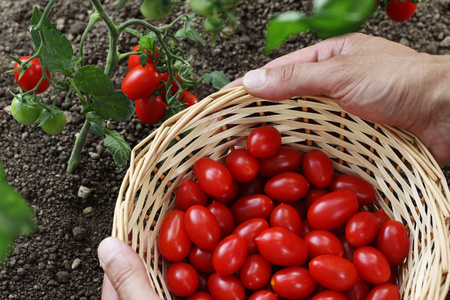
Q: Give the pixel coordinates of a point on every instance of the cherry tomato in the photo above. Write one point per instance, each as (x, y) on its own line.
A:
(188, 98)
(200, 296)
(314, 194)
(361, 228)
(188, 194)
(332, 210)
(329, 295)
(293, 283)
(173, 241)
(384, 291)
(359, 291)
(285, 160)
(150, 111)
(372, 265)
(322, 242)
(381, 216)
(225, 287)
(242, 165)
(264, 141)
(133, 60)
(249, 230)
(229, 255)
(363, 190)
(263, 295)
(181, 279)
(164, 77)
(300, 208)
(202, 227)
(156, 9)
(213, 177)
(30, 78)
(282, 247)
(393, 242)
(256, 186)
(55, 123)
(333, 272)
(306, 228)
(256, 271)
(201, 259)
(24, 110)
(254, 206)
(348, 248)
(223, 216)
(229, 196)
(287, 187)
(399, 11)
(203, 281)
(140, 82)
(317, 168)
(286, 216)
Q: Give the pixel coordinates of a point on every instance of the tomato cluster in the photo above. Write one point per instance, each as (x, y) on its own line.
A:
(272, 223)
(146, 85)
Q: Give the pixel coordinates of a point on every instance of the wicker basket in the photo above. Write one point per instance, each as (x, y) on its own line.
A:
(409, 184)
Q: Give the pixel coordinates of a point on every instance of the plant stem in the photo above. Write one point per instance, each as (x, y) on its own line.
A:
(80, 139)
(95, 17)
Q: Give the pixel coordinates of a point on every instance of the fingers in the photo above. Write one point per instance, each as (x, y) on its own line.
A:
(126, 273)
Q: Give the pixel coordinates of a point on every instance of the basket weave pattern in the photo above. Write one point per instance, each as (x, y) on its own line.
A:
(409, 184)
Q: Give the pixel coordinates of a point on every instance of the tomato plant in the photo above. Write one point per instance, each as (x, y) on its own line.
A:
(393, 242)
(150, 110)
(333, 272)
(181, 279)
(31, 77)
(264, 141)
(25, 110)
(293, 283)
(173, 241)
(400, 10)
(213, 177)
(242, 165)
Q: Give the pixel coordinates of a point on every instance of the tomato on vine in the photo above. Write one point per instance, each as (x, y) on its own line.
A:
(24, 110)
(150, 110)
(54, 123)
(32, 75)
(140, 82)
(133, 60)
(156, 9)
(188, 98)
(400, 10)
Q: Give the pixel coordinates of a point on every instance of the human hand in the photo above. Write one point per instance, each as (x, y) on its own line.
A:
(370, 77)
(125, 274)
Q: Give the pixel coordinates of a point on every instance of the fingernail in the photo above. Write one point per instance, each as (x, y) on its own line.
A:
(107, 249)
(254, 79)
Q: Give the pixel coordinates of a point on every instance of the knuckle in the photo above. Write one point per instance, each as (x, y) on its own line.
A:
(287, 73)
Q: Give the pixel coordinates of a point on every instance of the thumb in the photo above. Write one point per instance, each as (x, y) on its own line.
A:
(287, 81)
(125, 271)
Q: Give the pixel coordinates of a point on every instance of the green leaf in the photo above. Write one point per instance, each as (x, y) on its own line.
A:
(148, 41)
(16, 217)
(118, 147)
(93, 80)
(120, 4)
(217, 78)
(96, 122)
(189, 32)
(36, 17)
(115, 106)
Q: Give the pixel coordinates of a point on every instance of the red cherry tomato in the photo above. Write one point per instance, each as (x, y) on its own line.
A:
(363, 190)
(359, 291)
(285, 160)
(286, 216)
(229, 255)
(229, 196)
(249, 230)
(317, 168)
(264, 141)
(242, 165)
(225, 287)
(188, 194)
(372, 265)
(348, 248)
(287, 187)
(133, 60)
(150, 111)
(399, 11)
(256, 271)
(203, 281)
(223, 216)
(300, 208)
(314, 194)
(202, 227)
(282, 247)
(329, 295)
(181, 279)
(213, 177)
(188, 98)
(322, 242)
(293, 283)
(263, 295)
(306, 228)
(201, 259)
(140, 82)
(332, 210)
(254, 206)
(333, 272)
(361, 228)
(173, 241)
(381, 216)
(256, 186)
(200, 296)
(393, 242)
(30, 78)
(164, 77)
(384, 291)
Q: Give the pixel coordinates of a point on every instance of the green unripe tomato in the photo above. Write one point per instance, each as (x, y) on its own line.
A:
(156, 9)
(54, 124)
(212, 24)
(25, 111)
(202, 7)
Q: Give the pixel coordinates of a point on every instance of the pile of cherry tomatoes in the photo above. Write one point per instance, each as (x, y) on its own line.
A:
(145, 86)
(272, 223)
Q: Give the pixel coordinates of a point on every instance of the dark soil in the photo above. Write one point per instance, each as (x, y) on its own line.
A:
(59, 260)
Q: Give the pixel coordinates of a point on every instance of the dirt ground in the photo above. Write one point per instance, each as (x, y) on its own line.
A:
(59, 260)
